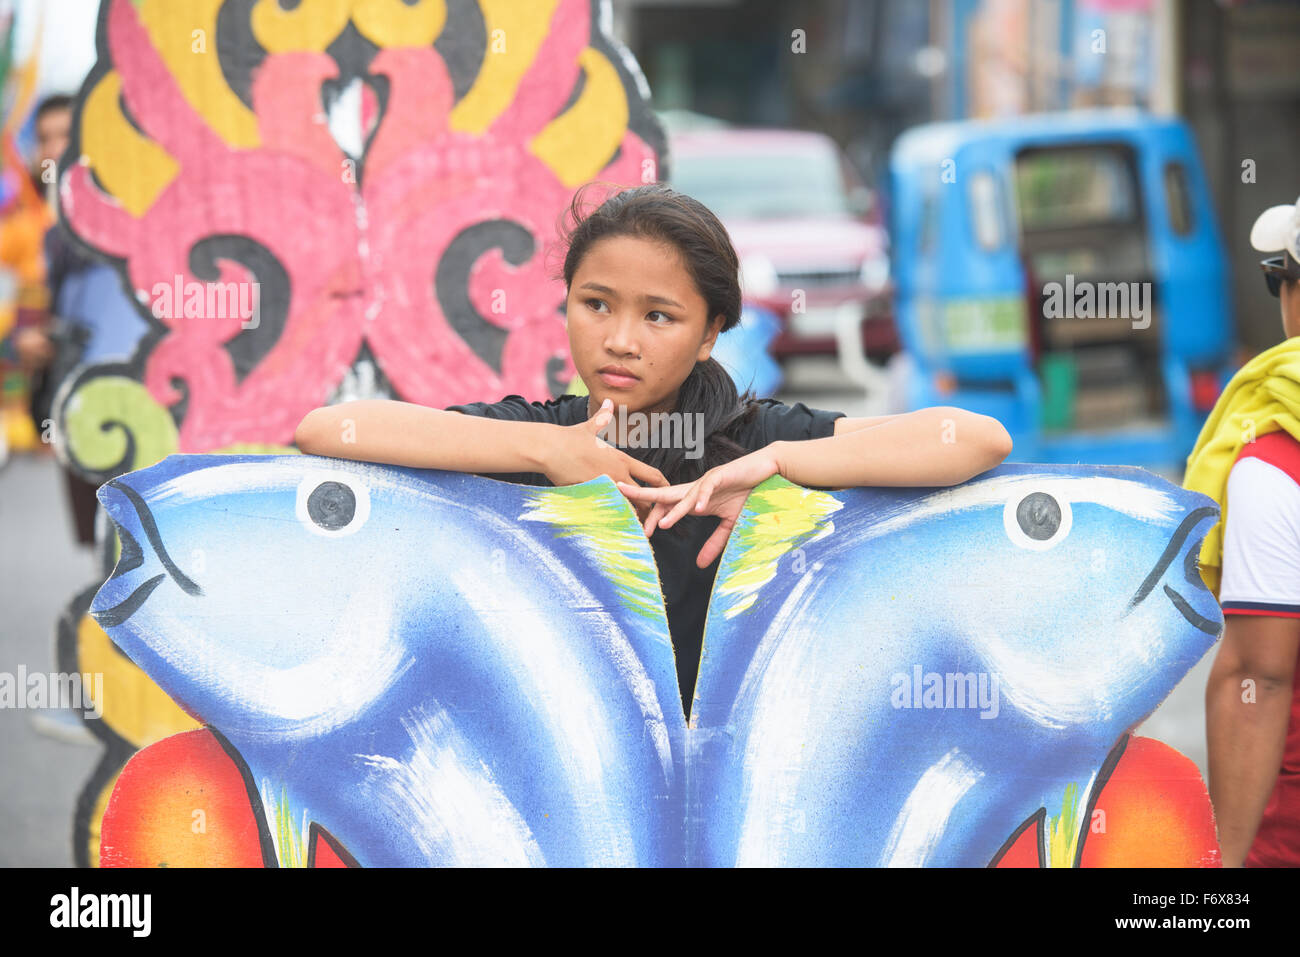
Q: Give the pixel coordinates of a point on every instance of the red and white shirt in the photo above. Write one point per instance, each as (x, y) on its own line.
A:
(1261, 576)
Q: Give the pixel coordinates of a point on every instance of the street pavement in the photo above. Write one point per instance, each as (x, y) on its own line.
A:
(41, 568)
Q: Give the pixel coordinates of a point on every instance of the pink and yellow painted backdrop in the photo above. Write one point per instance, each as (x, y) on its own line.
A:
(350, 191)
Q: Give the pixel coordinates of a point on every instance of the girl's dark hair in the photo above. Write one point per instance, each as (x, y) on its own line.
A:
(658, 212)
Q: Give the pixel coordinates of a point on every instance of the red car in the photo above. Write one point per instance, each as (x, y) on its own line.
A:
(806, 228)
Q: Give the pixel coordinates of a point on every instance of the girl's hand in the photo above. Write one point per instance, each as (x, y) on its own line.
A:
(581, 454)
(720, 491)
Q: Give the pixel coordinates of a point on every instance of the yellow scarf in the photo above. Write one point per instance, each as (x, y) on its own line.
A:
(1263, 397)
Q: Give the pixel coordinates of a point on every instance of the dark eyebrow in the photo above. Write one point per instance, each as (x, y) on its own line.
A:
(597, 287)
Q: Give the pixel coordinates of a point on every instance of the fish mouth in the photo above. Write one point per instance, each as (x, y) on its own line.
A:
(126, 509)
(1183, 548)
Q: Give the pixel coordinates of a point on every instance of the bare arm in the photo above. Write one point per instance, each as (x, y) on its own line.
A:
(845, 424)
(1247, 705)
(935, 446)
(403, 433)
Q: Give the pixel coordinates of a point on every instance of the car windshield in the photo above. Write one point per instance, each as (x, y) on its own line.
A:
(764, 185)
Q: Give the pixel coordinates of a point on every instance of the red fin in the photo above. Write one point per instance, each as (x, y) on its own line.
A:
(324, 850)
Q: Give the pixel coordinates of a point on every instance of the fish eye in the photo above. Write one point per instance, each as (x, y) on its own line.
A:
(1037, 521)
(333, 505)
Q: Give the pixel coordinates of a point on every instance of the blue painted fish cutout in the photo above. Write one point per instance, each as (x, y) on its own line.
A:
(438, 668)
(435, 668)
(909, 675)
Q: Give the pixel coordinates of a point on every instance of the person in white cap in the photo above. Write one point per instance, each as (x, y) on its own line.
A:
(1253, 695)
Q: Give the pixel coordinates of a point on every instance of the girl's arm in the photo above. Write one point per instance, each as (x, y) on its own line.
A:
(403, 433)
(936, 446)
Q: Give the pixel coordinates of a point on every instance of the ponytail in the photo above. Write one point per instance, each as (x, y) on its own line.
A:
(708, 391)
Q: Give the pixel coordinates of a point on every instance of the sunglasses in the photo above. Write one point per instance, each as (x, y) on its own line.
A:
(1278, 270)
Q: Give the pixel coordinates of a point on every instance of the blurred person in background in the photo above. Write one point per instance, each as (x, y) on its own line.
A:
(53, 132)
(1248, 459)
(51, 348)
(26, 219)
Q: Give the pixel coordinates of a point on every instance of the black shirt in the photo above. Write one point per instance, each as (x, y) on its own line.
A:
(686, 587)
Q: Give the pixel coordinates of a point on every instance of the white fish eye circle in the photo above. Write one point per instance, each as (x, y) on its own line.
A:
(332, 504)
(1037, 521)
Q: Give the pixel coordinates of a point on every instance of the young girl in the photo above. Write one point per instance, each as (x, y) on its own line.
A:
(652, 280)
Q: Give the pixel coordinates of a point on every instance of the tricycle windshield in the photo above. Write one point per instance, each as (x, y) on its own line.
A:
(1080, 211)
(1075, 186)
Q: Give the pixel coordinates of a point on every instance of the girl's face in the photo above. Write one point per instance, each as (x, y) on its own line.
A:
(633, 304)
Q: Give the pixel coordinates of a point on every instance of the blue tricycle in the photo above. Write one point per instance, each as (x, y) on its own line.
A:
(1064, 273)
